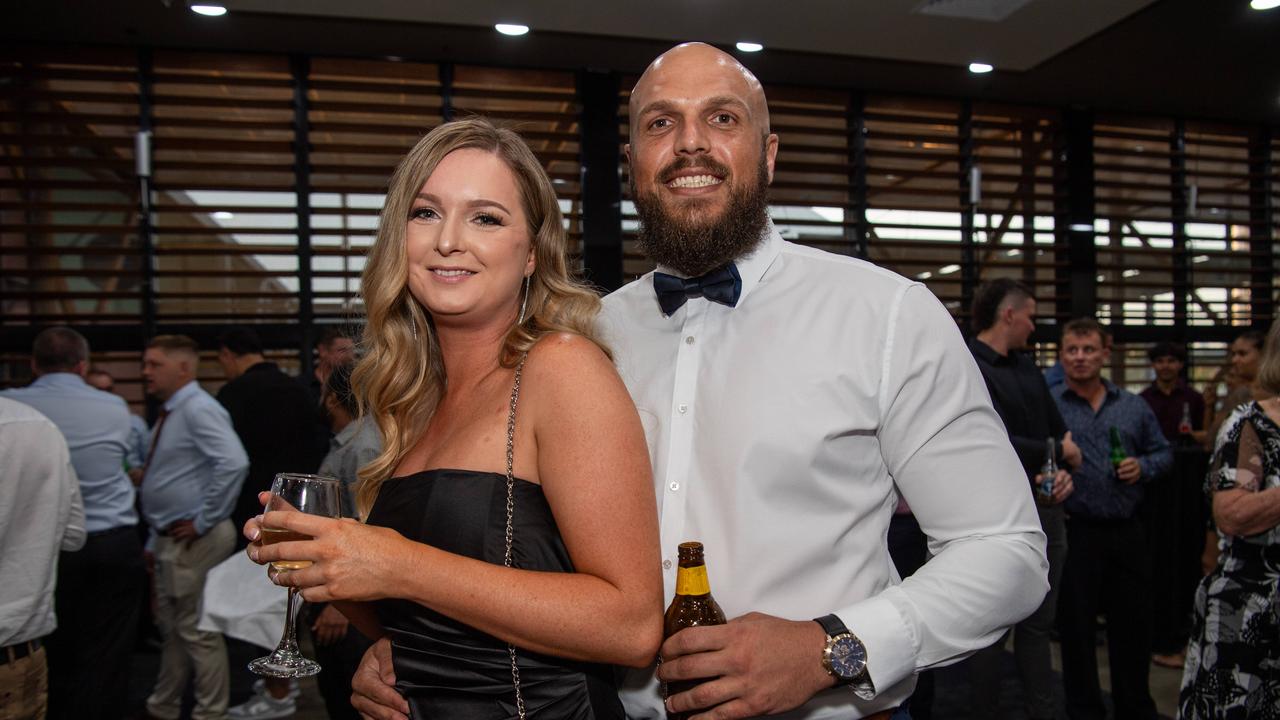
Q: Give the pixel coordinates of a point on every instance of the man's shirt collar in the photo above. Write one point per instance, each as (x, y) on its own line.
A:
(184, 392)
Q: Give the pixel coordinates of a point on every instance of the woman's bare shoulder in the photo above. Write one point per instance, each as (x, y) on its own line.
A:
(568, 362)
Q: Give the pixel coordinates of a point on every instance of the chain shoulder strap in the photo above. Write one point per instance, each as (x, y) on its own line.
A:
(511, 507)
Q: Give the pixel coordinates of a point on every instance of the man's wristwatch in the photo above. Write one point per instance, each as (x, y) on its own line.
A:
(844, 657)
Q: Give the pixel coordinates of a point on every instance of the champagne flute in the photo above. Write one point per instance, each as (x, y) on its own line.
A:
(314, 495)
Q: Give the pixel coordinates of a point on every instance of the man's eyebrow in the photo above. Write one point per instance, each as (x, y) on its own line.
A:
(657, 106)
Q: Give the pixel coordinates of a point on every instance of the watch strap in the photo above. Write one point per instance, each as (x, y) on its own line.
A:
(832, 625)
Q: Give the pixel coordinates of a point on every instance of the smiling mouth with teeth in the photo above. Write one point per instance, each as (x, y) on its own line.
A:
(694, 181)
(452, 273)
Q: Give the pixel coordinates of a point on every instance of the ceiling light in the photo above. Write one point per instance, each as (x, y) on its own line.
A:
(750, 47)
(924, 275)
(223, 215)
(512, 30)
(948, 269)
(1080, 227)
(1264, 4)
(979, 68)
(1131, 273)
(1200, 259)
(209, 10)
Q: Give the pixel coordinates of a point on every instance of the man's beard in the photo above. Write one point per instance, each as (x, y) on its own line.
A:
(692, 243)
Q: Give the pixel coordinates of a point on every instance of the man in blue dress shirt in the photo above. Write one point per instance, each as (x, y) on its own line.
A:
(191, 478)
(139, 433)
(99, 588)
(1107, 567)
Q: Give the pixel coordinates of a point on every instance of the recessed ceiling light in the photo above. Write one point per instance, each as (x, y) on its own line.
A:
(511, 29)
(223, 215)
(750, 47)
(948, 269)
(1264, 4)
(209, 10)
(979, 68)
(1080, 227)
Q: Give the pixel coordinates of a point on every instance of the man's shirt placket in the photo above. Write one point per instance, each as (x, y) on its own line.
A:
(678, 473)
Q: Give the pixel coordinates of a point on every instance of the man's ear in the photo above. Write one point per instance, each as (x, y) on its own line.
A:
(770, 153)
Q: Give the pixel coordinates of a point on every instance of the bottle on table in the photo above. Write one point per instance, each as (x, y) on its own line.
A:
(1118, 454)
(692, 606)
(1049, 469)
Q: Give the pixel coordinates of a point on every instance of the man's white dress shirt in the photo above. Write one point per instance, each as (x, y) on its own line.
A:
(781, 432)
(41, 514)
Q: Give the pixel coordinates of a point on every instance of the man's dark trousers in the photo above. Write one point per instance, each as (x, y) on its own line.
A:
(98, 600)
(1107, 571)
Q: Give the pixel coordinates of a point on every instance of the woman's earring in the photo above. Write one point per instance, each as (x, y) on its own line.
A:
(413, 325)
(524, 303)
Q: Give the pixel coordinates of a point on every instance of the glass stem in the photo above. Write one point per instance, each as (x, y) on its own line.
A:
(289, 640)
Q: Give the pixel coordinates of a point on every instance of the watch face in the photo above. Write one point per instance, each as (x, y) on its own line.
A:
(848, 657)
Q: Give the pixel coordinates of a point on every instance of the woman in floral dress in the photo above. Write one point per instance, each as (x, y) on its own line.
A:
(1233, 661)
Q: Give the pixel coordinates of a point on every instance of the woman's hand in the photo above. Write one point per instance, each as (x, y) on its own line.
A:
(253, 527)
(350, 560)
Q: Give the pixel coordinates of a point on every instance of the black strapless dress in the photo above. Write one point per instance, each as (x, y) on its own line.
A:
(447, 669)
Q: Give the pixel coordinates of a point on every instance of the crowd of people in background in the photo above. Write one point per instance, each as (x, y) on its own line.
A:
(134, 516)
(1125, 513)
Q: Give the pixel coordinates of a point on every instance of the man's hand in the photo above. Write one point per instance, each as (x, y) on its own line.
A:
(1062, 487)
(1071, 454)
(1129, 471)
(183, 530)
(755, 665)
(373, 687)
(329, 627)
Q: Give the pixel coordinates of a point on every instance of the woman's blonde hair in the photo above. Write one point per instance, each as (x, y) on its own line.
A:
(1269, 366)
(401, 377)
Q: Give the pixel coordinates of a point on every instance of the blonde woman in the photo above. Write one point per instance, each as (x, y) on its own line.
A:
(1233, 660)
(510, 553)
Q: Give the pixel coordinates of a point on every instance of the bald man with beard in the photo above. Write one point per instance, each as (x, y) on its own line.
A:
(789, 397)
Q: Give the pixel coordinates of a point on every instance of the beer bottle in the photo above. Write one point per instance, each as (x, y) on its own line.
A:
(1118, 454)
(692, 606)
(1049, 469)
(1184, 425)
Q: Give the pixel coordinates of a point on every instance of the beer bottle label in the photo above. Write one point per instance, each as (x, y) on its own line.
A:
(692, 581)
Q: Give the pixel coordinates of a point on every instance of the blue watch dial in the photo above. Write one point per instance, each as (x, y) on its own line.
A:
(848, 657)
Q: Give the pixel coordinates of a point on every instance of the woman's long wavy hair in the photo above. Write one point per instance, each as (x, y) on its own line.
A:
(401, 377)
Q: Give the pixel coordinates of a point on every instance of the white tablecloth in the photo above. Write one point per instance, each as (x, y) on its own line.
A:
(240, 602)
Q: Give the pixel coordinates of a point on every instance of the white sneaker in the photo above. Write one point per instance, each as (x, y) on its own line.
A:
(263, 707)
(260, 687)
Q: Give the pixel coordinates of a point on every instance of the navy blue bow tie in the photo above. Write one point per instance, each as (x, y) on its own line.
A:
(722, 285)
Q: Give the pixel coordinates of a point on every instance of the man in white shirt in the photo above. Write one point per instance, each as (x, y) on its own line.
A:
(788, 396)
(40, 514)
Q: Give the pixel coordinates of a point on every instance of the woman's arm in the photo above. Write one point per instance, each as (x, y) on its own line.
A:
(1244, 512)
(594, 467)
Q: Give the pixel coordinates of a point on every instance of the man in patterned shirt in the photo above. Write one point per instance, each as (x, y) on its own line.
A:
(1107, 568)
